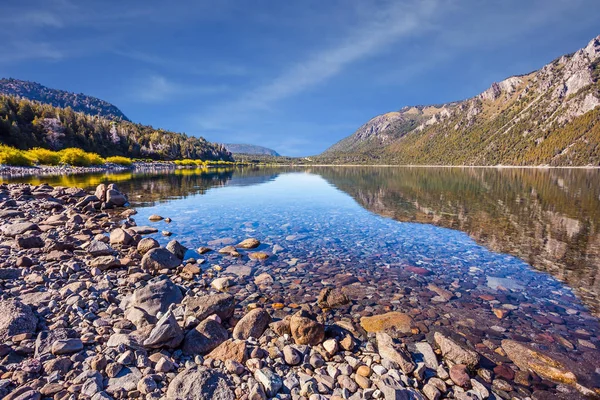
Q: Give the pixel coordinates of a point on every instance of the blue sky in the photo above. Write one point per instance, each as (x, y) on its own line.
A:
(295, 76)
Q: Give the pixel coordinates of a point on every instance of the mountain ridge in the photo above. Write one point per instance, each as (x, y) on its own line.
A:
(242, 148)
(546, 117)
(60, 98)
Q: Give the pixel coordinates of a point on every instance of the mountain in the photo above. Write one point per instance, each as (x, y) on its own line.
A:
(25, 124)
(249, 149)
(60, 98)
(547, 117)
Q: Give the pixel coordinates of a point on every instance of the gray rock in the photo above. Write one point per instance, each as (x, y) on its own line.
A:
(455, 351)
(270, 381)
(207, 336)
(199, 384)
(155, 297)
(388, 350)
(201, 307)
(177, 249)
(127, 380)
(159, 258)
(30, 242)
(67, 346)
(19, 228)
(166, 333)
(252, 324)
(115, 198)
(97, 248)
(16, 318)
(147, 244)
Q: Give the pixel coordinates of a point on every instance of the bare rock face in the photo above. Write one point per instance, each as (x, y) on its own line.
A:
(199, 384)
(252, 324)
(305, 328)
(16, 318)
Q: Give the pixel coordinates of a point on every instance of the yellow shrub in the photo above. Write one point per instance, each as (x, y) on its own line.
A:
(12, 156)
(80, 158)
(118, 160)
(43, 156)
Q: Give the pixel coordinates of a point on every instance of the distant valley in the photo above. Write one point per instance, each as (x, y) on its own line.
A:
(250, 149)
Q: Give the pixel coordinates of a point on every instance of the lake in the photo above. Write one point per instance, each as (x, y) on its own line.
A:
(494, 253)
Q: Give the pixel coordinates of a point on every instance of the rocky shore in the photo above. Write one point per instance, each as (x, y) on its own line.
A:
(47, 170)
(91, 307)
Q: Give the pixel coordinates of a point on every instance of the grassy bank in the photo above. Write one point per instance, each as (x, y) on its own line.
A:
(79, 158)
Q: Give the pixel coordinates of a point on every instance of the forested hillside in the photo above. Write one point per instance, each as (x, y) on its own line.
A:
(25, 124)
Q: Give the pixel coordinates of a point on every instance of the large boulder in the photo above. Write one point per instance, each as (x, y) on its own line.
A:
(235, 350)
(120, 236)
(252, 324)
(531, 360)
(16, 318)
(206, 337)
(199, 384)
(332, 298)
(147, 244)
(305, 328)
(114, 197)
(19, 228)
(155, 297)
(177, 249)
(201, 307)
(159, 258)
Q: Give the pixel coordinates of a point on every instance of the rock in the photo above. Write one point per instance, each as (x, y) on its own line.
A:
(387, 349)
(431, 392)
(24, 262)
(270, 381)
(235, 350)
(305, 329)
(230, 251)
(529, 359)
(146, 385)
(158, 259)
(30, 242)
(201, 307)
(127, 380)
(258, 255)
(23, 393)
(120, 236)
(241, 271)
(252, 324)
(263, 279)
(199, 384)
(393, 320)
(147, 244)
(18, 228)
(221, 284)
(67, 346)
(331, 347)
(166, 333)
(105, 262)
(154, 297)
(143, 230)
(16, 318)
(460, 375)
(177, 249)
(455, 351)
(97, 248)
(443, 294)
(155, 217)
(250, 243)
(100, 192)
(115, 198)
(291, 356)
(207, 336)
(332, 298)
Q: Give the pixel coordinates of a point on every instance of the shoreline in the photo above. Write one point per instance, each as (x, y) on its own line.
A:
(95, 307)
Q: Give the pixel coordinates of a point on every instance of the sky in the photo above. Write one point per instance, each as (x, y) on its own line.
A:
(294, 76)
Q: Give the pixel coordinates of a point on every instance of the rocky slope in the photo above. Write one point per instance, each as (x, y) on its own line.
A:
(250, 149)
(550, 116)
(60, 98)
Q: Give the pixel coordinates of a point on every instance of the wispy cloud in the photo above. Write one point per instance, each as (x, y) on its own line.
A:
(381, 27)
(156, 88)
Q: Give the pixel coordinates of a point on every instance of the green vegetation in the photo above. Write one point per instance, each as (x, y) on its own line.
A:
(12, 156)
(79, 158)
(26, 124)
(44, 156)
(119, 160)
